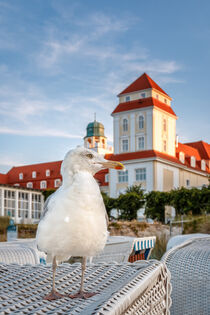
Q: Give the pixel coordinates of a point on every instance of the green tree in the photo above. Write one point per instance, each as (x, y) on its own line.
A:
(130, 202)
(110, 203)
(47, 193)
(155, 205)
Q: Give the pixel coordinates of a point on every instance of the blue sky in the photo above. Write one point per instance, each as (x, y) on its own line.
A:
(61, 61)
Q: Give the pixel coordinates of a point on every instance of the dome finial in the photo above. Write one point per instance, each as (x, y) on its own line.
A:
(94, 116)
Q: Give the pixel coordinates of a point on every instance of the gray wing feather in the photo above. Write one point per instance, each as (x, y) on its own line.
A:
(46, 208)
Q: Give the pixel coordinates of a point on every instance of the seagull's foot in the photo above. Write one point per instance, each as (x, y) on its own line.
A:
(82, 295)
(54, 295)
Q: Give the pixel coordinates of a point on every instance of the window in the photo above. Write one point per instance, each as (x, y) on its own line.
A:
(21, 176)
(125, 124)
(157, 96)
(23, 205)
(143, 95)
(125, 145)
(141, 143)
(187, 182)
(203, 165)
(141, 122)
(140, 174)
(43, 184)
(192, 160)
(9, 203)
(47, 172)
(164, 145)
(33, 174)
(57, 182)
(123, 176)
(165, 100)
(36, 206)
(29, 185)
(106, 178)
(127, 98)
(164, 124)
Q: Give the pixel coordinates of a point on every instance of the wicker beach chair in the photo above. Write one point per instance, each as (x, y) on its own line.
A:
(189, 264)
(123, 249)
(139, 288)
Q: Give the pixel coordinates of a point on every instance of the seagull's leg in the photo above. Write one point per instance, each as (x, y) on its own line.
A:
(53, 295)
(82, 294)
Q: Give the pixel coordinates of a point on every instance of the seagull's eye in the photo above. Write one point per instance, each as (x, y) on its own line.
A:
(89, 155)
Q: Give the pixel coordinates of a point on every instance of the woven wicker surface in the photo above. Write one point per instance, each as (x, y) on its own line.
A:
(139, 288)
(119, 248)
(189, 264)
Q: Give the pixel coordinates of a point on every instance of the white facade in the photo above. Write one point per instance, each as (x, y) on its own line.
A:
(22, 205)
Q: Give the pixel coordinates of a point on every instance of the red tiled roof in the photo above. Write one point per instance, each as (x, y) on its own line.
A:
(152, 153)
(142, 83)
(188, 151)
(100, 177)
(145, 102)
(40, 169)
(3, 178)
(202, 147)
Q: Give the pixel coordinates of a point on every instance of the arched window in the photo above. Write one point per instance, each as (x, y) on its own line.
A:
(164, 124)
(141, 122)
(125, 124)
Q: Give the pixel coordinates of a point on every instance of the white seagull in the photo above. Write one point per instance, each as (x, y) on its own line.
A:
(74, 222)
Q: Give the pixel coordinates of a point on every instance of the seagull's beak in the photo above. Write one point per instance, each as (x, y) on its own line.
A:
(113, 164)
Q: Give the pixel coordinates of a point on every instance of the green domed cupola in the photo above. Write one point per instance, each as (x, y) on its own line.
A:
(95, 129)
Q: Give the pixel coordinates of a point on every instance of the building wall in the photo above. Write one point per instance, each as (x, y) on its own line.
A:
(166, 177)
(159, 135)
(135, 95)
(117, 187)
(195, 179)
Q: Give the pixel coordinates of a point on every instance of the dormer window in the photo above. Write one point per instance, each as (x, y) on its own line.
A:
(125, 124)
(192, 161)
(203, 165)
(165, 100)
(20, 176)
(127, 98)
(29, 185)
(43, 184)
(143, 95)
(33, 174)
(57, 182)
(47, 172)
(182, 157)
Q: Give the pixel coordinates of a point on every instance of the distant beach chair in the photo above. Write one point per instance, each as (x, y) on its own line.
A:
(123, 249)
(122, 289)
(189, 264)
(21, 251)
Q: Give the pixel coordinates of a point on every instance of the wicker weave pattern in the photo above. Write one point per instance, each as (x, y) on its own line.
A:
(189, 264)
(139, 288)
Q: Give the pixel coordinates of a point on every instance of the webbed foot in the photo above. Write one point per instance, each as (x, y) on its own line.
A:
(53, 295)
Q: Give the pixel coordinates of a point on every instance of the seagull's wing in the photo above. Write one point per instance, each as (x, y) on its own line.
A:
(46, 208)
(107, 219)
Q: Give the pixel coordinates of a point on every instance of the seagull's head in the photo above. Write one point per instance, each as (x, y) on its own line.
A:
(83, 159)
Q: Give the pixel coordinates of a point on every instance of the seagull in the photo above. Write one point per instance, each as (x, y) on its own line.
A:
(74, 221)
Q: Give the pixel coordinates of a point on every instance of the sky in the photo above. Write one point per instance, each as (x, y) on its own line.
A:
(62, 61)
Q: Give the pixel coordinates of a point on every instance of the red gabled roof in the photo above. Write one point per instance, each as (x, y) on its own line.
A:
(40, 169)
(100, 177)
(202, 147)
(142, 83)
(188, 151)
(152, 153)
(144, 102)
(3, 178)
